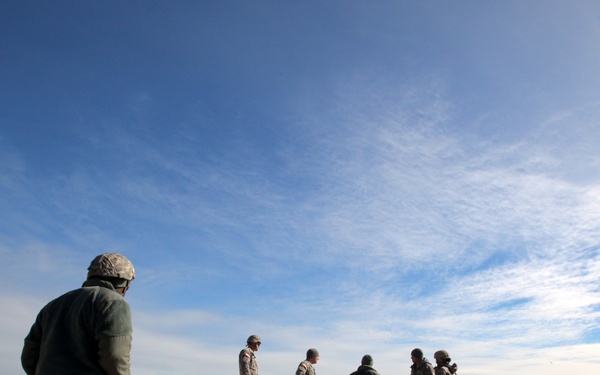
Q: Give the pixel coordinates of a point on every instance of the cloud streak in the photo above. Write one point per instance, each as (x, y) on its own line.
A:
(360, 211)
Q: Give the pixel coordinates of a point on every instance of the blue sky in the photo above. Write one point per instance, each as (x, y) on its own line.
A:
(359, 177)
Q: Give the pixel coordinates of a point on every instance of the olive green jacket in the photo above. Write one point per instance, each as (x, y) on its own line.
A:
(85, 332)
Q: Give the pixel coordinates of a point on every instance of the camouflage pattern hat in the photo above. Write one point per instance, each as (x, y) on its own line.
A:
(111, 265)
(253, 339)
(442, 355)
(367, 360)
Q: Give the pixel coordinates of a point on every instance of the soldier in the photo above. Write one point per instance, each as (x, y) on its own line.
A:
(421, 365)
(442, 359)
(87, 330)
(306, 367)
(366, 366)
(247, 359)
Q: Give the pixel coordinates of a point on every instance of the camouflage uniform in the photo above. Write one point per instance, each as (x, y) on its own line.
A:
(442, 370)
(247, 361)
(425, 368)
(442, 358)
(306, 368)
(87, 330)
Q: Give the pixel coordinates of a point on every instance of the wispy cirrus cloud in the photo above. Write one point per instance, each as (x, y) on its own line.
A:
(413, 231)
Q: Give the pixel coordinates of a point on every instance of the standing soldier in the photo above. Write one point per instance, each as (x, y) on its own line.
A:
(87, 330)
(421, 365)
(247, 359)
(442, 359)
(306, 367)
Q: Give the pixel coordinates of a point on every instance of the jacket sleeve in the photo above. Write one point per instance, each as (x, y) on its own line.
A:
(30, 356)
(113, 354)
(244, 363)
(114, 335)
(301, 369)
(31, 349)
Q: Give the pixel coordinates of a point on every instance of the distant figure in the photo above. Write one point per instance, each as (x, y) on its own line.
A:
(87, 330)
(366, 366)
(442, 359)
(306, 367)
(421, 365)
(247, 359)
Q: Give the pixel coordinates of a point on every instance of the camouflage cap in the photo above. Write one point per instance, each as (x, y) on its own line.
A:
(111, 265)
(253, 338)
(442, 355)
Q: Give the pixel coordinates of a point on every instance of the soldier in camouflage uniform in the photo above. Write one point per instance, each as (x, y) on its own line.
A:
(87, 330)
(247, 359)
(442, 359)
(306, 367)
(421, 365)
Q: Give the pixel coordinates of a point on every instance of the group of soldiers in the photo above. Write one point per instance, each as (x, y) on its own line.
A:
(249, 366)
(89, 331)
(420, 366)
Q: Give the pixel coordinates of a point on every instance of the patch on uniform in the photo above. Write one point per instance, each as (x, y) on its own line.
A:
(246, 355)
(303, 365)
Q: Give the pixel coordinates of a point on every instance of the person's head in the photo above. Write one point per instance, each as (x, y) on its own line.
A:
(416, 356)
(442, 357)
(254, 342)
(367, 360)
(312, 355)
(114, 268)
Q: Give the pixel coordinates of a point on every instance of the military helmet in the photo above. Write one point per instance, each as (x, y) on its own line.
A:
(442, 355)
(253, 339)
(111, 265)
